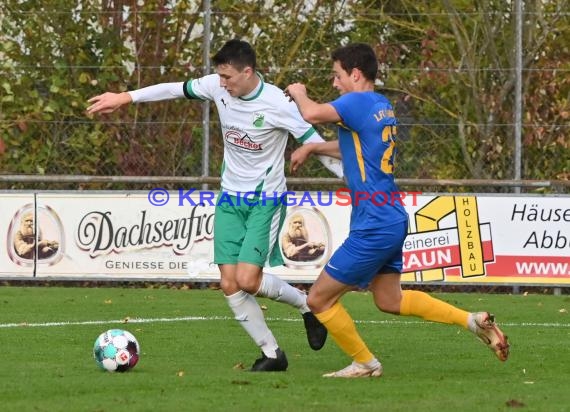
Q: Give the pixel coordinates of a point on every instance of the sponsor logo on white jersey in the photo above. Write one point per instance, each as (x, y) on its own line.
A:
(235, 139)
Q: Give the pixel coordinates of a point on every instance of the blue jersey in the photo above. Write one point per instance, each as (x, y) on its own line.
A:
(367, 135)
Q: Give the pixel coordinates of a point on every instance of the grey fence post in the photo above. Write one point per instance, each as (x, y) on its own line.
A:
(518, 91)
(206, 104)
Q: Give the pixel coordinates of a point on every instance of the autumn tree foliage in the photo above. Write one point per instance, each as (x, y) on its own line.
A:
(448, 66)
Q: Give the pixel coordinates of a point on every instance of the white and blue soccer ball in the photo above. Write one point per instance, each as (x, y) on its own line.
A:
(116, 350)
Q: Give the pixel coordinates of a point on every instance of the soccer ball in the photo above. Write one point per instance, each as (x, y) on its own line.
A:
(116, 350)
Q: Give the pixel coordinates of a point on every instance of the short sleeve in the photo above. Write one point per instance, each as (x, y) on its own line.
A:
(349, 109)
(202, 88)
(291, 120)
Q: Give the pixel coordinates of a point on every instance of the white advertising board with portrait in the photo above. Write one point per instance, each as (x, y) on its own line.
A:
(113, 235)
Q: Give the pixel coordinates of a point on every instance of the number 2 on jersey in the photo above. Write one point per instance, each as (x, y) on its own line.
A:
(387, 162)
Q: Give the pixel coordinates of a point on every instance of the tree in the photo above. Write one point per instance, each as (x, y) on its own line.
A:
(451, 64)
(448, 67)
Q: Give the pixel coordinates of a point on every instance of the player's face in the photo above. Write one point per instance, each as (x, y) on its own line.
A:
(236, 82)
(341, 79)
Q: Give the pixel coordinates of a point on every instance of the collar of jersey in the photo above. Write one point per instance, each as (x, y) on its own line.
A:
(257, 91)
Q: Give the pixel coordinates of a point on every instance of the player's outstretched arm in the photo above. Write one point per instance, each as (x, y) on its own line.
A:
(109, 102)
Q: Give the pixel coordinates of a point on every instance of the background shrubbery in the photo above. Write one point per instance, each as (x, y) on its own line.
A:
(448, 67)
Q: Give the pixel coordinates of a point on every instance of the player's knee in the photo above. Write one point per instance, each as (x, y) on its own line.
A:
(388, 305)
(247, 283)
(229, 287)
(315, 304)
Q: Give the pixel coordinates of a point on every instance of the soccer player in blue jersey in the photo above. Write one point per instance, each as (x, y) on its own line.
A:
(371, 256)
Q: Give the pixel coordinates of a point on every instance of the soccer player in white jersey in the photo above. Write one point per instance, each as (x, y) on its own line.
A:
(256, 119)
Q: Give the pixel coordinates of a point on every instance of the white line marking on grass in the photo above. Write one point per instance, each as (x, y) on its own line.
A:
(122, 321)
(127, 321)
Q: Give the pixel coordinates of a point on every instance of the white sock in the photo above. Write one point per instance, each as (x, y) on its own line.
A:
(277, 289)
(248, 313)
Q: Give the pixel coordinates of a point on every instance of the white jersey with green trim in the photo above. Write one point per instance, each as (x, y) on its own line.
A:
(255, 130)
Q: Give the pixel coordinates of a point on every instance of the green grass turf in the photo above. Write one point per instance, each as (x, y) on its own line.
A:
(194, 365)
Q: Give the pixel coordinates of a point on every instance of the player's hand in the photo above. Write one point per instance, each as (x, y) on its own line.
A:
(299, 156)
(108, 102)
(294, 90)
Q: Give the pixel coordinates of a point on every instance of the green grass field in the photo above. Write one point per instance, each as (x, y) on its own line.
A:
(193, 356)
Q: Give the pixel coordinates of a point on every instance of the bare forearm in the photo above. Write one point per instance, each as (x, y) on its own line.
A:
(308, 108)
(330, 148)
(311, 111)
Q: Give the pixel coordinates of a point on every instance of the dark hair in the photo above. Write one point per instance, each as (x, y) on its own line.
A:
(357, 56)
(237, 53)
